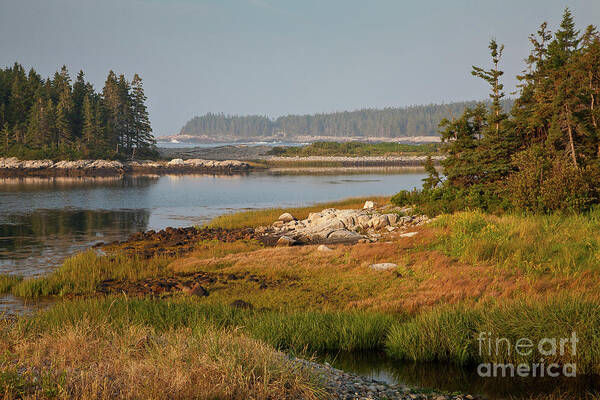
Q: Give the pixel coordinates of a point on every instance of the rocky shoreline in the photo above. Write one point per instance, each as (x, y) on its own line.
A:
(260, 153)
(15, 167)
(341, 385)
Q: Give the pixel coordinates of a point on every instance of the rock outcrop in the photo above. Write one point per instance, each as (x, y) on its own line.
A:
(340, 226)
(84, 167)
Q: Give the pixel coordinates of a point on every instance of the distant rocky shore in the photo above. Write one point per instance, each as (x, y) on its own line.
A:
(13, 166)
(260, 153)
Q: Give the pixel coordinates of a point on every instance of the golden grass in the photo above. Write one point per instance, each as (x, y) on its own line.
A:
(255, 218)
(301, 278)
(84, 360)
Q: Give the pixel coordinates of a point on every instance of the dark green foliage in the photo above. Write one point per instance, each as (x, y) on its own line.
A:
(53, 118)
(388, 122)
(545, 155)
(433, 177)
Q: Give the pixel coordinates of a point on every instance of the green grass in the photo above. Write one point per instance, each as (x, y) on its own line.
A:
(448, 334)
(298, 332)
(451, 333)
(8, 281)
(556, 244)
(355, 149)
(82, 273)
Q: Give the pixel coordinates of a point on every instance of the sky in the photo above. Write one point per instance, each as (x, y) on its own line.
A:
(277, 57)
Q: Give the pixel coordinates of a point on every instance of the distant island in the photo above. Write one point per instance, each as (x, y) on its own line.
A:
(416, 124)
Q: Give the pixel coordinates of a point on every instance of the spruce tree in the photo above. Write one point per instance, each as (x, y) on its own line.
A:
(6, 136)
(64, 110)
(498, 143)
(566, 41)
(80, 92)
(142, 131)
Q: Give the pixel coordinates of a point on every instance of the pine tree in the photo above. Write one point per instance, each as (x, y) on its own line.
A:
(89, 124)
(462, 138)
(80, 92)
(498, 143)
(64, 110)
(433, 177)
(7, 137)
(111, 103)
(143, 139)
(17, 104)
(566, 41)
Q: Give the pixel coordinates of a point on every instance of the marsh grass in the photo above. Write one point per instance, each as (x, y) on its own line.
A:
(297, 331)
(82, 273)
(451, 333)
(90, 358)
(555, 244)
(8, 281)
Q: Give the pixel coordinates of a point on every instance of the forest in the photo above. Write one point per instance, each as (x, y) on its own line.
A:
(55, 118)
(544, 155)
(422, 120)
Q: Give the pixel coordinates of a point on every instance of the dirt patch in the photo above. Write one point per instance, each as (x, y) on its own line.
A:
(193, 284)
(179, 241)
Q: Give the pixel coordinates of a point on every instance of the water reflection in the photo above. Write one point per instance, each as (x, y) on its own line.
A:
(451, 378)
(31, 243)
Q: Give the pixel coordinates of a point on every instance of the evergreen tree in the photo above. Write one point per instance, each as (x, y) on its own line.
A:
(462, 138)
(6, 136)
(498, 143)
(64, 120)
(80, 92)
(142, 131)
(565, 42)
(64, 110)
(433, 177)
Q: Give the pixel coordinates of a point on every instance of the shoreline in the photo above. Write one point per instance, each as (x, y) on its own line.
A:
(13, 167)
(10, 167)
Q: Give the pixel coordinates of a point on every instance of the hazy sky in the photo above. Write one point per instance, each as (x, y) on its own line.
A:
(274, 57)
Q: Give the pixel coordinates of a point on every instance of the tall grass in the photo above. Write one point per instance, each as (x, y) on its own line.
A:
(558, 244)
(299, 332)
(8, 281)
(451, 333)
(82, 273)
(86, 359)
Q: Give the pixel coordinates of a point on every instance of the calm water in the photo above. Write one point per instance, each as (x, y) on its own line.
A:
(43, 220)
(451, 378)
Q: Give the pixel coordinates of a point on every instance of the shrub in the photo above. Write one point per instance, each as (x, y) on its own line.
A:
(544, 184)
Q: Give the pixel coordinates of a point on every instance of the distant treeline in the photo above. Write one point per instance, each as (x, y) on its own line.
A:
(52, 118)
(388, 122)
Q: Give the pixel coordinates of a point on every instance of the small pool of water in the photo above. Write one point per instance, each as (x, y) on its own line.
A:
(452, 378)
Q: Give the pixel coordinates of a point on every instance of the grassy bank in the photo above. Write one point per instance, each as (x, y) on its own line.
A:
(539, 244)
(356, 149)
(130, 350)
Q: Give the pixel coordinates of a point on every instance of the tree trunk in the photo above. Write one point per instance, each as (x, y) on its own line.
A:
(570, 131)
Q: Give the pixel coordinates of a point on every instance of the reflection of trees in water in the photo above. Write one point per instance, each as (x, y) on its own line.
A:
(452, 378)
(69, 224)
(36, 184)
(28, 234)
